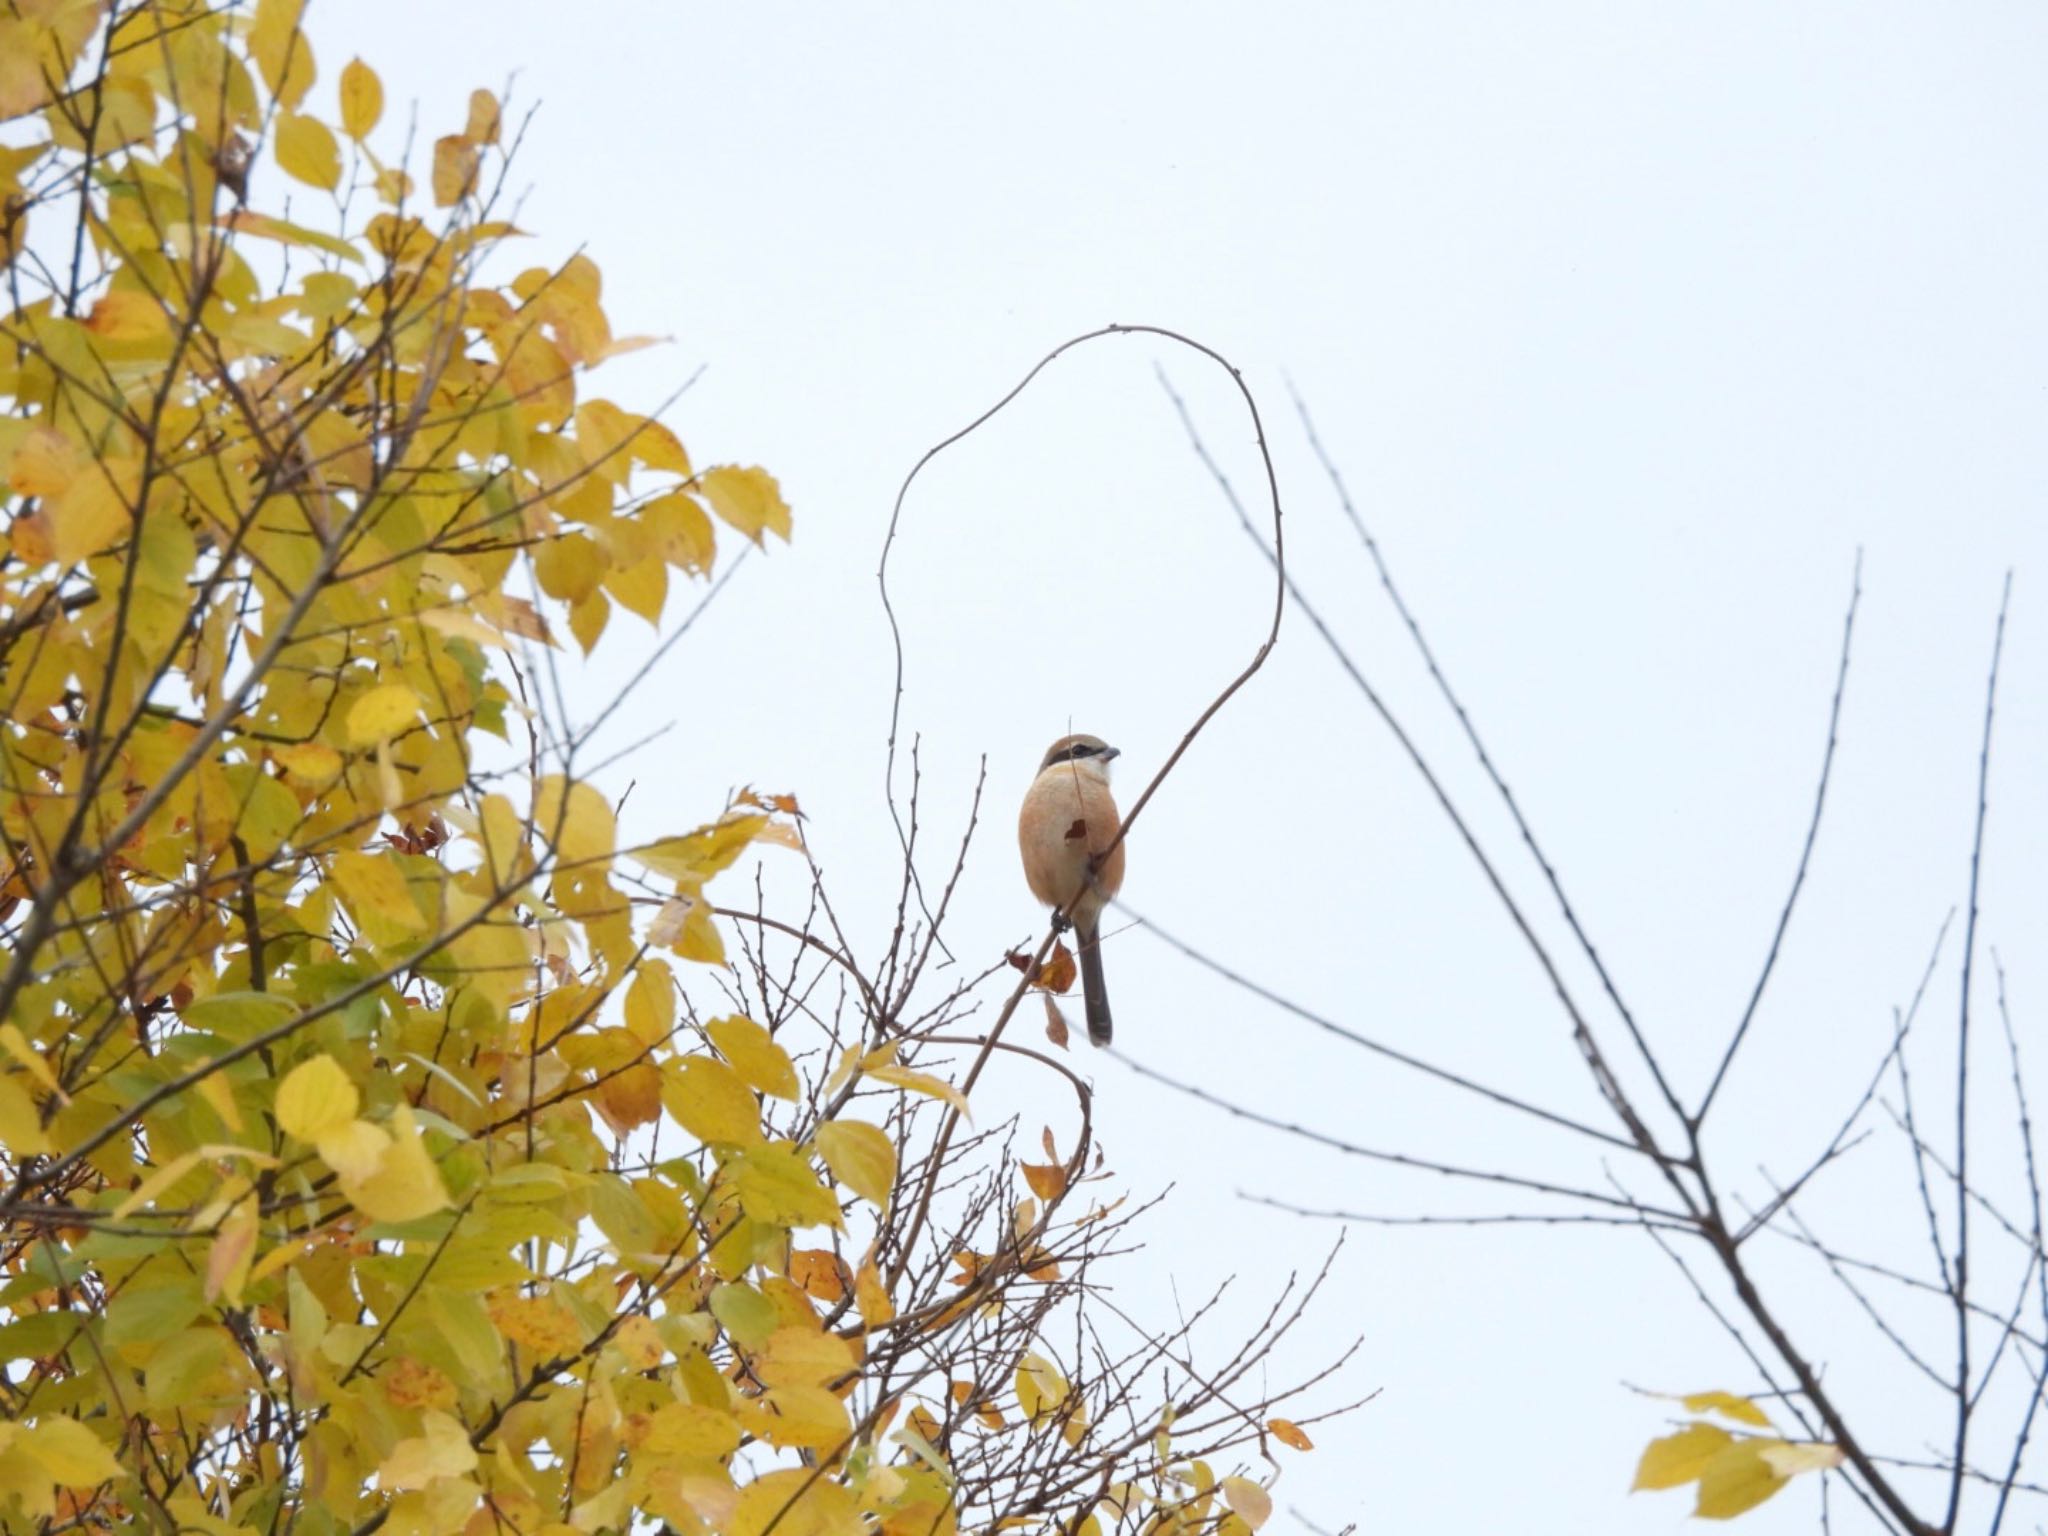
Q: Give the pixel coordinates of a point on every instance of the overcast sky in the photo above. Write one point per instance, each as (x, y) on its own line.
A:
(1629, 325)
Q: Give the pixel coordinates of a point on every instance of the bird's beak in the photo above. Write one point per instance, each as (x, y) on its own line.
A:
(1108, 752)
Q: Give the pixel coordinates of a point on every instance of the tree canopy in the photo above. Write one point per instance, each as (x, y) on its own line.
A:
(387, 1144)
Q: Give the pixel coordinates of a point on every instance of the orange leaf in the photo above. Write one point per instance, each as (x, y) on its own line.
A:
(630, 1097)
(1287, 1432)
(821, 1274)
(1048, 1181)
(539, 1322)
(1055, 1022)
(408, 1383)
(1059, 971)
(44, 463)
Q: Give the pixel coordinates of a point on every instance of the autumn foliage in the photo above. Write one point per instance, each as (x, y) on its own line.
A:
(369, 1159)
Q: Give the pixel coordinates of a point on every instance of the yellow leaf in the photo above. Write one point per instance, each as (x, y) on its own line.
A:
(797, 1418)
(233, 1247)
(671, 922)
(306, 151)
(353, 1149)
(165, 1175)
(777, 1187)
(219, 1094)
(441, 1449)
(500, 831)
(390, 793)
(1789, 1458)
(570, 567)
(281, 51)
(680, 532)
(44, 463)
(70, 1454)
(690, 1430)
(1247, 1500)
(609, 1509)
(17, 1046)
(1729, 1405)
(604, 433)
(653, 444)
(573, 816)
(125, 314)
(798, 1502)
(749, 499)
(923, 1424)
(377, 894)
(861, 1156)
(707, 1099)
(745, 1314)
(651, 1002)
(805, 1357)
(33, 61)
(697, 856)
(587, 620)
(639, 1341)
(455, 167)
(188, 1364)
(248, 222)
(764, 1065)
(920, 1082)
(1680, 1458)
(640, 586)
(310, 762)
(382, 713)
(125, 111)
(870, 1295)
(362, 99)
(21, 1126)
(94, 512)
(407, 1184)
(316, 1097)
(1738, 1479)
(466, 625)
(483, 118)
(1041, 1390)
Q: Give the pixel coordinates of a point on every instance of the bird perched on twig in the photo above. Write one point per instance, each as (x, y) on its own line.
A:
(1066, 831)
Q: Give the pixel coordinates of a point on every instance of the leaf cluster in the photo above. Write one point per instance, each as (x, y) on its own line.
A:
(387, 1141)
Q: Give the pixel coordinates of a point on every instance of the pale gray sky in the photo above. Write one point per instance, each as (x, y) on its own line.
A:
(1629, 324)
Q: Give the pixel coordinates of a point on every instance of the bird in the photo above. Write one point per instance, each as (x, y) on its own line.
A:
(1066, 831)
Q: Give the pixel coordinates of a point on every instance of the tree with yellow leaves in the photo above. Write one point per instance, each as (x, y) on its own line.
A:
(369, 1161)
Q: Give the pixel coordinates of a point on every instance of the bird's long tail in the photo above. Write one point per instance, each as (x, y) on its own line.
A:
(1094, 994)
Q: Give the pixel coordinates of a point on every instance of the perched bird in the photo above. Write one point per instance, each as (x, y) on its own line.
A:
(1067, 822)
